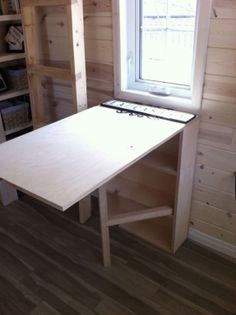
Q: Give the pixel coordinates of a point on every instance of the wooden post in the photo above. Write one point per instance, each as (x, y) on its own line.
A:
(30, 24)
(77, 54)
(85, 209)
(103, 209)
(8, 193)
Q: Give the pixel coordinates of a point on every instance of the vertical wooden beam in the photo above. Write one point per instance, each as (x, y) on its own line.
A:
(85, 209)
(36, 100)
(8, 193)
(104, 226)
(77, 54)
(186, 167)
(31, 32)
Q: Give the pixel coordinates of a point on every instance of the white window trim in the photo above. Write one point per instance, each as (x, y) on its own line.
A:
(121, 62)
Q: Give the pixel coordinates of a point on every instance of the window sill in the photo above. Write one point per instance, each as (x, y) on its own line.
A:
(176, 103)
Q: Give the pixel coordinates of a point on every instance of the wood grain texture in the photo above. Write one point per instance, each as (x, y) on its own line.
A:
(220, 88)
(219, 113)
(55, 49)
(216, 158)
(218, 179)
(221, 61)
(51, 265)
(97, 6)
(214, 230)
(214, 197)
(216, 135)
(222, 33)
(98, 27)
(99, 50)
(225, 9)
(212, 215)
(98, 42)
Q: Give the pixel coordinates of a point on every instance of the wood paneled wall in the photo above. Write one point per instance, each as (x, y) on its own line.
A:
(99, 50)
(214, 204)
(99, 55)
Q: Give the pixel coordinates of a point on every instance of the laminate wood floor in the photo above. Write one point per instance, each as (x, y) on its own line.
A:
(50, 265)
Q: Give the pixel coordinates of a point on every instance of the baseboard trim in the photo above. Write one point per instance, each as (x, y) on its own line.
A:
(212, 242)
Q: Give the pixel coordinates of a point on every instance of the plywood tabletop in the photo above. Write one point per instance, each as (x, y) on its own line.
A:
(63, 162)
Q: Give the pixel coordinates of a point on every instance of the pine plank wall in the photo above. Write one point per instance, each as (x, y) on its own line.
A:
(214, 204)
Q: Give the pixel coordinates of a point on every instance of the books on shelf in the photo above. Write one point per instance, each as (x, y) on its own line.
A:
(10, 6)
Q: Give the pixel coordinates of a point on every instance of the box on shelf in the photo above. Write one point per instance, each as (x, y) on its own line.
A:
(5, 104)
(17, 77)
(15, 116)
(15, 38)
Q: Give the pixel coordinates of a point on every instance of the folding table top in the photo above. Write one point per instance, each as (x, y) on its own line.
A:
(63, 162)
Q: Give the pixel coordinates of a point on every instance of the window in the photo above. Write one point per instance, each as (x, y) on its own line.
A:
(161, 50)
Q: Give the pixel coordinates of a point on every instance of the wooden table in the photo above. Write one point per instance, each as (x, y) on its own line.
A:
(62, 163)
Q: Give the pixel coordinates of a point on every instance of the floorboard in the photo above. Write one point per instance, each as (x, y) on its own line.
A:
(51, 265)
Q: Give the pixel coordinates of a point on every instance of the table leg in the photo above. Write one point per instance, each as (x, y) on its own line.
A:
(8, 193)
(85, 209)
(104, 226)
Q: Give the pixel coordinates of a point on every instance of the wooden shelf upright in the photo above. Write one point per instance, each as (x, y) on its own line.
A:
(74, 73)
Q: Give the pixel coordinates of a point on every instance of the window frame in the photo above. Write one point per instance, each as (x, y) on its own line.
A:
(122, 60)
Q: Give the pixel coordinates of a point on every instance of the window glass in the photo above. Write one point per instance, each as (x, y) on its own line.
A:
(166, 40)
(160, 49)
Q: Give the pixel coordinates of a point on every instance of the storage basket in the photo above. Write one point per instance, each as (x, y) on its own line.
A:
(15, 116)
(17, 78)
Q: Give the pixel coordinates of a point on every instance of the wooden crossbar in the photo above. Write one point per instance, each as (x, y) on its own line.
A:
(134, 216)
(52, 72)
(40, 3)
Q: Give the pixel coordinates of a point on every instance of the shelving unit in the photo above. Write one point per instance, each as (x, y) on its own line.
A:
(10, 17)
(41, 65)
(142, 199)
(5, 57)
(151, 199)
(9, 58)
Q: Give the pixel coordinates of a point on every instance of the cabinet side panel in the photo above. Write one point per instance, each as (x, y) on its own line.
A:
(187, 155)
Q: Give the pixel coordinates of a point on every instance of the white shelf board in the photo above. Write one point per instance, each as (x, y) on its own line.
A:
(12, 93)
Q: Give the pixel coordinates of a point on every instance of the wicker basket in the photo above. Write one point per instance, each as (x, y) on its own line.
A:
(17, 78)
(15, 116)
